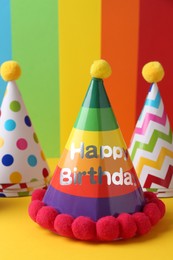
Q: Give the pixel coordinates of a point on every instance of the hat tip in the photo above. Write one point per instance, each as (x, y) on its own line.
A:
(10, 70)
(153, 72)
(100, 69)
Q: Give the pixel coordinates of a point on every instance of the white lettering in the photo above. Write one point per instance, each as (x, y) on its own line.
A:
(74, 150)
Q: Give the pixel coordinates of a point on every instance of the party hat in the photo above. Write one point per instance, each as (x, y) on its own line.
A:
(151, 147)
(95, 181)
(23, 166)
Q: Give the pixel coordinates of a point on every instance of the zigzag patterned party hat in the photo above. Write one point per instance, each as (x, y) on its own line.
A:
(151, 147)
(23, 167)
(95, 193)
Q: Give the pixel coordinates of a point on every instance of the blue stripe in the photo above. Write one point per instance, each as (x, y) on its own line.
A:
(5, 39)
(154, 103)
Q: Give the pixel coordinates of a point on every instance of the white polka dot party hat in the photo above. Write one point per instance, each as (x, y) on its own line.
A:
(23, 167)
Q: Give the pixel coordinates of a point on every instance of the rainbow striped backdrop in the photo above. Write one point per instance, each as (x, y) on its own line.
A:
(56, 41)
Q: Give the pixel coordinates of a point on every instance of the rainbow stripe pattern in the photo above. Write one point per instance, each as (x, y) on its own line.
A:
(56, 41)
(95, 176)
(151, 147)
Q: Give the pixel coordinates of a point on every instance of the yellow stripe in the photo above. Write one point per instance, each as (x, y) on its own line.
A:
(79, 45)
(154, 164)
(111, 138)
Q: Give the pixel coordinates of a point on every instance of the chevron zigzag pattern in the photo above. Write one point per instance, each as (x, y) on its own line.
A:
(151, 147)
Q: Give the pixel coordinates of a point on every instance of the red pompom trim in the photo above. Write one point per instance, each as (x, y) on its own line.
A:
(46, 216)
(38, 194)
(62, 225)
(128, 226)
(152, 211)
(84, 228)
(34, 207)
(107, 228)
(142, 222)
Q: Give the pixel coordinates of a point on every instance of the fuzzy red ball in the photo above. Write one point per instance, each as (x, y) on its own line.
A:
(46, 216)
(160, 205)
(142, 222)
(150, 195)
(107, 228)
(153, 212)
(84, 228)
(128, 226)
(38, 194)
(62, 225)
(34, 207)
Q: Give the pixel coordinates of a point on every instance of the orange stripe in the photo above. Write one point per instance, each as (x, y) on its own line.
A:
(84, 164)
(86, 189)
(120, 22)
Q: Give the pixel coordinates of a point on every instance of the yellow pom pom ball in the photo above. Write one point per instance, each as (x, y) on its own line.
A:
(10, 70)
(100, 69)
(153, 72)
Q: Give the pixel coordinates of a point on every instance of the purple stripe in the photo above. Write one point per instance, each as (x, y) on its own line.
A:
(94, 208)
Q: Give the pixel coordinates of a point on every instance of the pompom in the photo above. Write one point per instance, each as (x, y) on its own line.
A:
(62, 225)
(142, 222)
(128, 226)
(84, 228)
(149, 195)
(10, 70)
(34, 207)
(38, 194)
(46, 216)
(153, 212)
(160, 205)
(100, 69)
(107, 228)
(153, 72)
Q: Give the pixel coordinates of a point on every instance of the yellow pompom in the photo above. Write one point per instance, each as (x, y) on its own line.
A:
(10, 70)
(100, 69)
(153, 72)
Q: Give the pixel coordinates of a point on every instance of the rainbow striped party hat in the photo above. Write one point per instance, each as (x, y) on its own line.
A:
(151, 147)
(94, 193)
(95, 176)
(23, 167)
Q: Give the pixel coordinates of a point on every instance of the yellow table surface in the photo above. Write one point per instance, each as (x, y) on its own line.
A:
(21, 238)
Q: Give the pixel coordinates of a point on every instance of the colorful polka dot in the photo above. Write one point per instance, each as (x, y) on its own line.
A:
(43, 156)
(2, 195)
(15, 106)
(21, 144)
(10, 125)
(1, 142)
(7, 160)
(15, 177)
(32, 160)
(27, 121)
(33, 180)
(35, 138)
(45, 172)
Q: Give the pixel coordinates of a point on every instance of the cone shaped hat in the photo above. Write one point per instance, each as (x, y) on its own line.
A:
(95, 176)
(23, 167)
(151, 147)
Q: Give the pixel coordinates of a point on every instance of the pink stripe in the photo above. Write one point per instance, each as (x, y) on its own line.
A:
(150, 117)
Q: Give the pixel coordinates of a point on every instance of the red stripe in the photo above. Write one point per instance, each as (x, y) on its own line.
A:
(162, 182)
(86, 189)
(155, 43)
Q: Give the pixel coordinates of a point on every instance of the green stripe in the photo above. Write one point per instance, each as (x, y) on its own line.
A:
(154, 138)
(96, 119)
(35, 47)
(96, 96)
